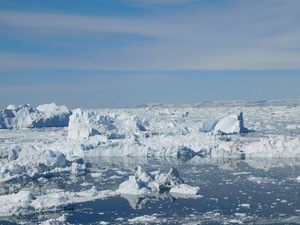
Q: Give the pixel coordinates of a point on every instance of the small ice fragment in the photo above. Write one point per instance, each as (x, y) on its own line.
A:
(245, 205)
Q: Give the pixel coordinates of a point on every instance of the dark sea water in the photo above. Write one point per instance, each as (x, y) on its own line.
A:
(232, 191)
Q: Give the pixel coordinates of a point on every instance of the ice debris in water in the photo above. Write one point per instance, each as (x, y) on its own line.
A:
(230, 124)
(24, 116)
(26, 203)
(27, 161)
(143, 183)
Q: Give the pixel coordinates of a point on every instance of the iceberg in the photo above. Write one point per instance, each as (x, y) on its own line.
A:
(231, 124)
(24, 116)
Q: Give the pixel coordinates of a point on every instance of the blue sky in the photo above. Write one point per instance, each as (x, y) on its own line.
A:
(106, 53)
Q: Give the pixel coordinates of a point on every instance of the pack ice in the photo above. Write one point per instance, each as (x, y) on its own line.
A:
(24, 116)
(143, 132)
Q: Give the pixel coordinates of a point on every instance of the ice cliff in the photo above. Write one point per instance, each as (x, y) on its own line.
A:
(24, 116)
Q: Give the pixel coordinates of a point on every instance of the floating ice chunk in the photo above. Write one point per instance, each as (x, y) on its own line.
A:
(245, 205)
(24, 202)
(143, 183)
(57, 221)
(185, 189)
(139, 184)
(27, 161)
(143, 219)
(15, 204)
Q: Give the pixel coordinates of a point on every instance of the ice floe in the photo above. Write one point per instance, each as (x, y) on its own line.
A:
(25, 203)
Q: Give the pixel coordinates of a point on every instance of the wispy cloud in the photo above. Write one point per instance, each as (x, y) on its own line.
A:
(242, 35)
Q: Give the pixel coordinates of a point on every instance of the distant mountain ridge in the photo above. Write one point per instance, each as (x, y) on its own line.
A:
(231, 103)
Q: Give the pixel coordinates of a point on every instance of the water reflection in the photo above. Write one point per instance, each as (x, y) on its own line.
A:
(223, 163)
(254, 191)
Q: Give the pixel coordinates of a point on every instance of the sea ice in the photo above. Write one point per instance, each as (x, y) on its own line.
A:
(143, 219)
(24, 202)
(28, 161)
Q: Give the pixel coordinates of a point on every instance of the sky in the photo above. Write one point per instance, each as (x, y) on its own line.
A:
(112, 54)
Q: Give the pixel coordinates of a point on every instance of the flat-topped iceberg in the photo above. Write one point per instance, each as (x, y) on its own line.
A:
(24, 116)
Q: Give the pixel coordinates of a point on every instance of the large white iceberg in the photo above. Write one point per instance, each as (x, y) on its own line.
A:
(231, 124)
(24, 116)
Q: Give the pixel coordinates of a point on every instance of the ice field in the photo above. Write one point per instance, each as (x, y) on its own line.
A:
(155, 165)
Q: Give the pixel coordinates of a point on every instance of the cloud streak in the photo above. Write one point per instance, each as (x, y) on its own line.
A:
(242, 35)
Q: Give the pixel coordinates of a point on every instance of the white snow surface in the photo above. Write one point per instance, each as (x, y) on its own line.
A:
(23, 116)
